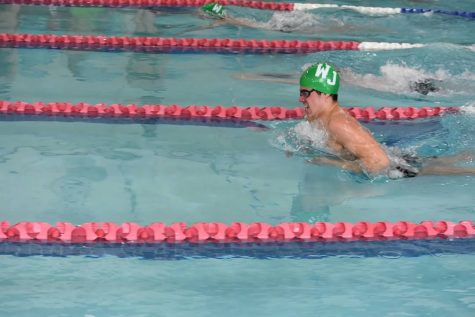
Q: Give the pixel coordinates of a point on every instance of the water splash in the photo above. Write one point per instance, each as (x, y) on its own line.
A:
(469, 108)
(393, 78)
(397, 158)
(301, 22)
(292, 21)
(304, 138)
(400, 78)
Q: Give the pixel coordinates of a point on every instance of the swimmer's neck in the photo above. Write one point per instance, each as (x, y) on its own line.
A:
(325, 113)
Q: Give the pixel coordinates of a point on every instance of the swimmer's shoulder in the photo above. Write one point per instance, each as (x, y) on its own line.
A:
(342, 117)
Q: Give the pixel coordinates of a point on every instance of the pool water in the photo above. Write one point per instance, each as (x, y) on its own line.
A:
(98, 170)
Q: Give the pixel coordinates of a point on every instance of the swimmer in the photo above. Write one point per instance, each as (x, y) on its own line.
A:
(422, 86)
(352, 146)
(217, 12)
(286, 22)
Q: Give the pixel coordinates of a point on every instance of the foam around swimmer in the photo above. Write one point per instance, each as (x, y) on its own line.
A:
(469, 108)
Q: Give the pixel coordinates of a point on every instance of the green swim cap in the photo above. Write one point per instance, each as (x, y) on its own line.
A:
(322, 77)
(214, 9)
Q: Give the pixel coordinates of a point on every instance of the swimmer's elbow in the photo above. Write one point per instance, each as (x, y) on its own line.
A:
(377, 166)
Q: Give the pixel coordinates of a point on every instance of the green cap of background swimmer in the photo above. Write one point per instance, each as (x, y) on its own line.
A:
(322, 77)
(214, 9)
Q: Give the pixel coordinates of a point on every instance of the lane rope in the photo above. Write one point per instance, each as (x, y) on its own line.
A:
(166, 44)
(277, 6)
(382, 10)
(211, 232)
(81, 109)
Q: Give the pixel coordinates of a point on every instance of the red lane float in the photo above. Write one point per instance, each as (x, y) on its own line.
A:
(235, 112)
(164, 44)
(157, 232)
(154, 3)
(399, 113)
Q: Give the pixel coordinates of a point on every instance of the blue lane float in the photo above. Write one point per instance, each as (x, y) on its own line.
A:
(273, 250)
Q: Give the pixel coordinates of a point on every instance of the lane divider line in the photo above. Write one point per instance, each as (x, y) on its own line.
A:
(268, 113)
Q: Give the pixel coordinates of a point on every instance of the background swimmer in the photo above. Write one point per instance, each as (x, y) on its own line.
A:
(423, 86)
(295, 21)
(392, 78)
(217, 12)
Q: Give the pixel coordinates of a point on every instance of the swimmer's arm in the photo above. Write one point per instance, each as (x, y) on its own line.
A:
(353, 166)
(268, 78)
(211, 26)
(355, 139)
(239, 22)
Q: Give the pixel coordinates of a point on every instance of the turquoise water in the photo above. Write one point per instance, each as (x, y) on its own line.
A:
(429, 286)
(96, 171)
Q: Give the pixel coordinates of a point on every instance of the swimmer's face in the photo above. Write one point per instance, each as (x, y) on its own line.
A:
(310, 99)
